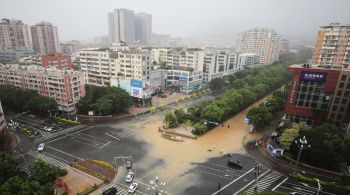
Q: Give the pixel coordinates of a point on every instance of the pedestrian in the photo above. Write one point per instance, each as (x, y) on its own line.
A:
(222, 124)
(228, 126)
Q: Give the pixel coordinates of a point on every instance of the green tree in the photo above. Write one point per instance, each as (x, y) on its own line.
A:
(41, 104)
(104, 106)
(170, 120)
(259, 116)
(213, 113)
(19, 186)
(8, 167)
(181, 115)
(200, 128)
(288, 136)
(217, 83)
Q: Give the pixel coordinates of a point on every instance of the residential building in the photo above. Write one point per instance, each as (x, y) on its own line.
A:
(12, 56)
(333, 46)
(185, 69)
(143, 28)
(248, 60)
(2, 119)
(45, 38)
(219, 64)
(319, 93)
(121, 26)
(159, 55)
(104, 67)
(70, 47)
(57, 60)
(65, 86)
(263, 42)
(14, 35)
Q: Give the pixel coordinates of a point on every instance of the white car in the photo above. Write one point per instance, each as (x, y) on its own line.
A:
(129, 177)
(48, 129)
(41, 147)
(133, 187)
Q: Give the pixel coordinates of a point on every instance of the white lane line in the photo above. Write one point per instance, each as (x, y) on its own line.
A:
(105, 145)
(65, 153)
(293, 190)
(240, 190)
(112, 136)
(69, 135)
(233, 181)
(95, 137)
(53, 156)
(82, 142)
(309, 187)
(151, 186)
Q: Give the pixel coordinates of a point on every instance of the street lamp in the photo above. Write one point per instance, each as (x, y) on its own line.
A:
(319, 187)
(301, 144)
(256, 173)
(156, 185)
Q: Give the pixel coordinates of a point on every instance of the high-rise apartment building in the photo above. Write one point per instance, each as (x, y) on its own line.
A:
(333, 46)
(263, 42)
(121, 26)
(143, 28)
(2, 119)
(318, 94)
(45, 38)
(14, 35)
(65, 86)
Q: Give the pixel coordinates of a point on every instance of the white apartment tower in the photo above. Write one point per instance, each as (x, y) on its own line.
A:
(121, 26)
(333, 46)
(143, 28)
(263, 42)
(14, 35)
(45, 38)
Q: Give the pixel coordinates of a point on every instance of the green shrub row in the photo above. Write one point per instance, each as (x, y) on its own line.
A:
(68, 121)
(28, 132)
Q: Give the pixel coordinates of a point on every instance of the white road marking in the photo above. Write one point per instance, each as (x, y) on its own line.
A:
(65, 153)
(233, 181)
(279, 184)
(112, 136)
(105, 145)
(240, 190)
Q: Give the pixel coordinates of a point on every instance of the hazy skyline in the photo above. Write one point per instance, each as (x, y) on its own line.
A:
(85, 19)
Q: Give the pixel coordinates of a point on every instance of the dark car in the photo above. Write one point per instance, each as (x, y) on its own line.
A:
(234, 164)
(128, 164)
(110, 191)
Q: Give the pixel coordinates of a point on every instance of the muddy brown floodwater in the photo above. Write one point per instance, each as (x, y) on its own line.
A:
(178, 156)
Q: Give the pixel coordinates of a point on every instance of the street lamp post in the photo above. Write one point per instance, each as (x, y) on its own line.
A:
(319, 187)
(302, 144)
(257, 173)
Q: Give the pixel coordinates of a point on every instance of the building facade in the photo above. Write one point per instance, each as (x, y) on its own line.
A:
(57, 60)
(66, 87)
(333, 46)
(318, 94)
(12, 56)
(143, 28)
(248, 60)
(121, 26)
(14, 35)
(2, 119)
(263, 42)
(217, 65)
(45, 38)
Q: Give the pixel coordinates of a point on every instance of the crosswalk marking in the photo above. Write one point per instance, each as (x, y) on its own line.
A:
(58, 133)
(52, 161)
(265, 182)
(121, 190)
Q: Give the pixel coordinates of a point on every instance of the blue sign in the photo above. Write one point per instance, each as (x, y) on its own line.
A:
(313, 76)
(136, 83)
(183, 79)
(135, 92)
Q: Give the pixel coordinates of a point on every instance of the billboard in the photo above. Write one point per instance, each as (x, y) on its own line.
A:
(136, 83)
(313, 76)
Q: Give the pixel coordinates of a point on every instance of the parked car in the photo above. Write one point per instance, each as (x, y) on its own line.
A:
(163, 96)
(128, 164)
(129, 177)
(48, 129)
(234, 164)
(110, 191)
(133, 187)
(41, 147)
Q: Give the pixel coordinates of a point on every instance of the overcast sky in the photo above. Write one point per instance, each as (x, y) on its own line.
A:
(85, 19)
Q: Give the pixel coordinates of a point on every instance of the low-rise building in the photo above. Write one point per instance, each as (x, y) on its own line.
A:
(12, 56)
(319, 93)
(65, 86)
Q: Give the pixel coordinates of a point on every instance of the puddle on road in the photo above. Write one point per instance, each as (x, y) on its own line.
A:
(178, 156)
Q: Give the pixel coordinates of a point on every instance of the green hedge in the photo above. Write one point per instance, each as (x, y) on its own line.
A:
(28, 132)
(68, 121)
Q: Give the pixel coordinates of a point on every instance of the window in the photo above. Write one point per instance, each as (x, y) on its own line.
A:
(346, 94)
(343, 101)
(341, 85)
(332, 116)
(341, 109)
(302, 97)
(335, 108)
(339, 92)
(348, 86)
(343, 77)
(313, 105)
(336, 101)
(339, 116)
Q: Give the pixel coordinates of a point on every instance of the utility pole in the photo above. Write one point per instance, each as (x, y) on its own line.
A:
(302, 144)
(257, 173)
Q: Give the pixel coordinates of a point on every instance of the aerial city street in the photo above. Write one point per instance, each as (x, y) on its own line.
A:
(174, 97)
